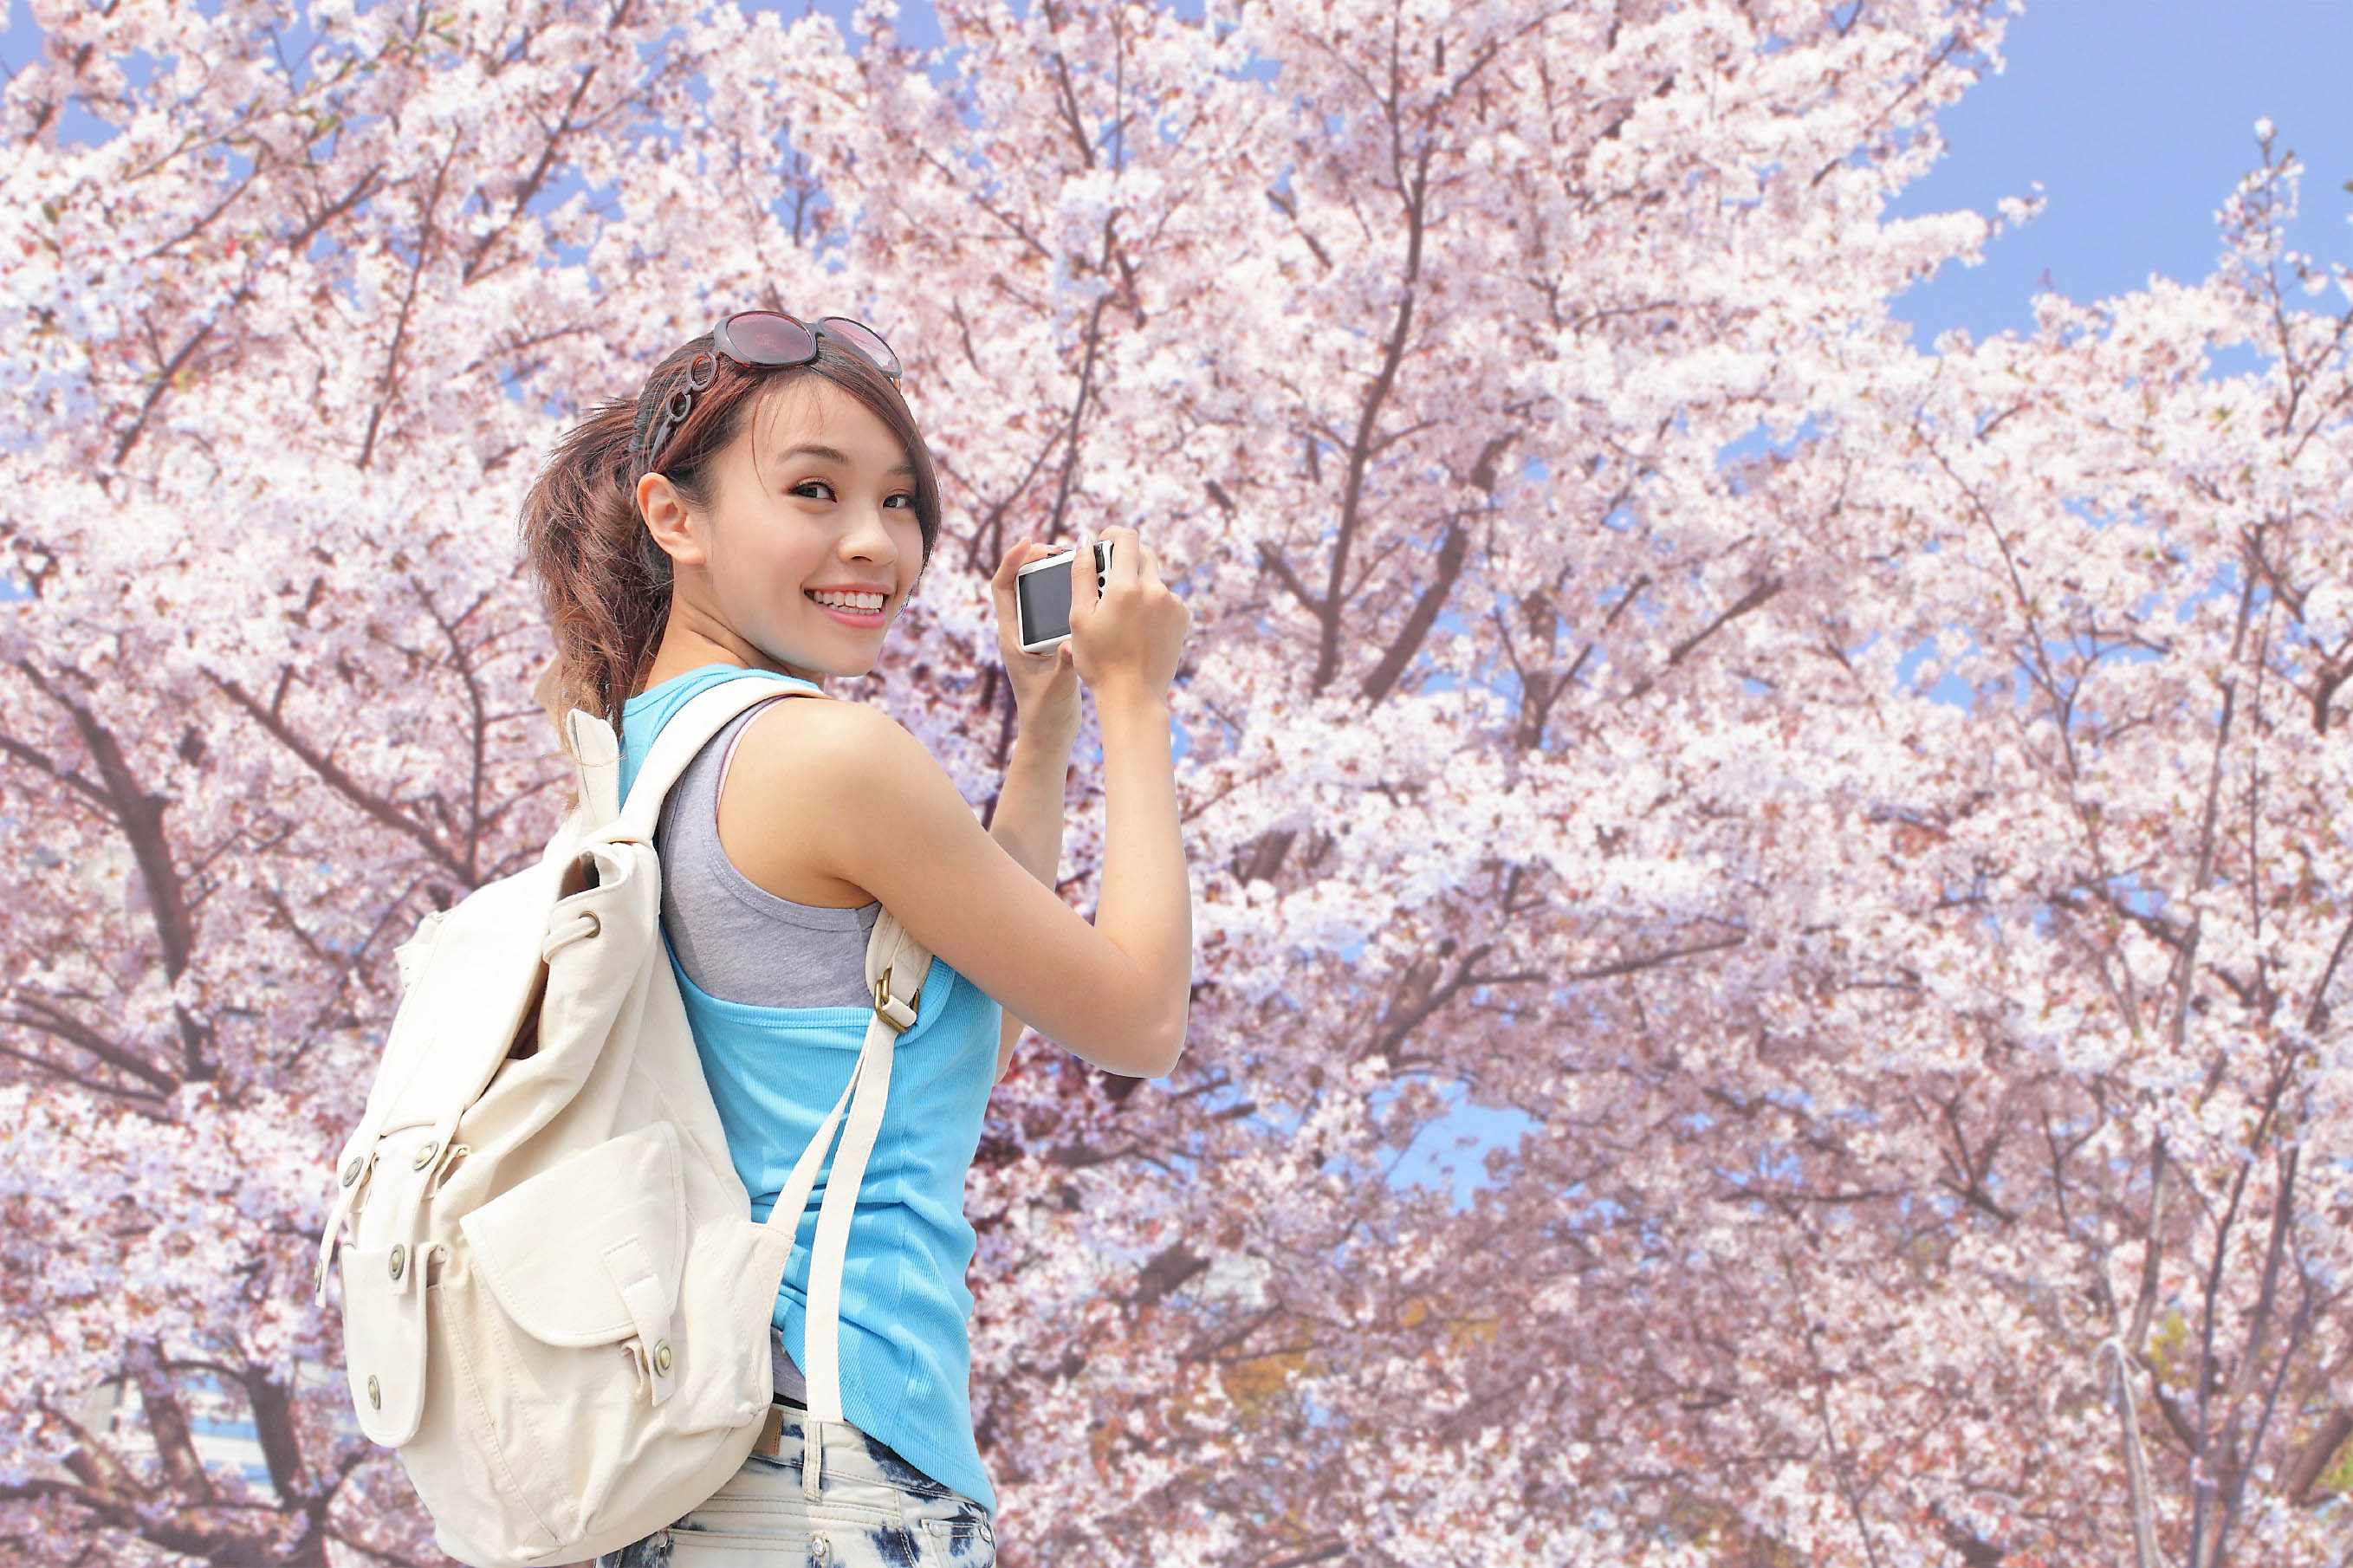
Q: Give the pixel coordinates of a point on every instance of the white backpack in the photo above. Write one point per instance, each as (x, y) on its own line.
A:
(555, 1300)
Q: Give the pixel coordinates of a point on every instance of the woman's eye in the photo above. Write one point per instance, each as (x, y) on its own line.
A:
(900, 500)
(816, 489)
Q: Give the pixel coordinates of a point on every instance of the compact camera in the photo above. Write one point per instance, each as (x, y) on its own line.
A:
(1041, 597)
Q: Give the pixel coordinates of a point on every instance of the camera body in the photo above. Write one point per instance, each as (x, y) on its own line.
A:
(1041, 597)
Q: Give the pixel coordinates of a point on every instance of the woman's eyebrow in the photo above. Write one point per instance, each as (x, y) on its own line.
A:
(836, 455)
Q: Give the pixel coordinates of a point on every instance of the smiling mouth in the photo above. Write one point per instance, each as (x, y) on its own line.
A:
(858, 617)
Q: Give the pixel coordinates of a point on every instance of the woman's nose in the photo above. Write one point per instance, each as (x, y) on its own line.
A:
(868, 537)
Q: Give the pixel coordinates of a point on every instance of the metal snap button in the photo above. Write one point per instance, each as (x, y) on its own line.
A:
(821, 1549)
(352, 1171)
(375, 1395)
(425, 1156)
(661, 1358)
(400, 1255)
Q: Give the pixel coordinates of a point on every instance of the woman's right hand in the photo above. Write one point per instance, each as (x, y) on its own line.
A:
(1127, 637)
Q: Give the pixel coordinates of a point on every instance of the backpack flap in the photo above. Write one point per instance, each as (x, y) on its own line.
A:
(475, 985)
(590, 1250)
(392, 1216)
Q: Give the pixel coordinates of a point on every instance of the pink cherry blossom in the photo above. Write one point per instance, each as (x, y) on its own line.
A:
(1876, 813)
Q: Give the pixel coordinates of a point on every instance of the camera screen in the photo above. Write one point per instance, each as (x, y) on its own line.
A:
(1045, 604)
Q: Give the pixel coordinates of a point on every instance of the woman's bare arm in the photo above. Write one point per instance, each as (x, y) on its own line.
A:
(844, 791)
(1045, 690)
(1028, 825)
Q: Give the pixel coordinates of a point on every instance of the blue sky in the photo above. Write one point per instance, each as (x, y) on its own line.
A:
(2137, 117)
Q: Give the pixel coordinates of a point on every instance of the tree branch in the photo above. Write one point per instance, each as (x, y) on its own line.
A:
(371, 804)
(1451, 553)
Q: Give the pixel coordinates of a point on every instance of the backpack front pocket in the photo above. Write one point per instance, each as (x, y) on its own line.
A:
(589, 1251)
(571, 1300)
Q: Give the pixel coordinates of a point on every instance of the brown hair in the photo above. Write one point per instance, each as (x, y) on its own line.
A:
(604, 582)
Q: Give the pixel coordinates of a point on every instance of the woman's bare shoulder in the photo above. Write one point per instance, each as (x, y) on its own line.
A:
(796, 764)
(819, 737)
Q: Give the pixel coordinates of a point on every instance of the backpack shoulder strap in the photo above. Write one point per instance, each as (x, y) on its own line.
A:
(896, 967)
(687, 732)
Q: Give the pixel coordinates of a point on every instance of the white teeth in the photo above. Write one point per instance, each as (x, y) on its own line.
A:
(869, 602)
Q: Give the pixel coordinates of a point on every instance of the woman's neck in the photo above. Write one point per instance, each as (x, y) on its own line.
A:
(684, 649)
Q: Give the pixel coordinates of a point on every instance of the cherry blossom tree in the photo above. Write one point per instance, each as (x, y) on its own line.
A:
(1876, 813)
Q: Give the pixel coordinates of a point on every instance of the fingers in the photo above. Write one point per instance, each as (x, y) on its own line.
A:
(1143, 565)
(1124, 551)
(1082, 572)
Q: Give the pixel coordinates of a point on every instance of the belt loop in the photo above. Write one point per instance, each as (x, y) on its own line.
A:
(812, 1458)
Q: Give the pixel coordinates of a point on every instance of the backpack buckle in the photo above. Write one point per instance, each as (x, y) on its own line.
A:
(900, 1013)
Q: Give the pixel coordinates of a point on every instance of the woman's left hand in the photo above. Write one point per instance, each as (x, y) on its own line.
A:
(1044, 685)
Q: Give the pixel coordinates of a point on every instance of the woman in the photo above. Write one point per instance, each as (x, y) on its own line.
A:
(767, 504)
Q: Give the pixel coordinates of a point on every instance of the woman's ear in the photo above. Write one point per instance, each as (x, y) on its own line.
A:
(674, 527)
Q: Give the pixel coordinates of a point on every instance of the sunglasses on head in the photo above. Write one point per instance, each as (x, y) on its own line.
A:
(765, 340)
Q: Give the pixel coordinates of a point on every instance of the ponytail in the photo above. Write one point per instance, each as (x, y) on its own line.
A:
(603, 581)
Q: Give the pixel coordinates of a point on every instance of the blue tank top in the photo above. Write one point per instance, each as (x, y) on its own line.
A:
(906, 1358)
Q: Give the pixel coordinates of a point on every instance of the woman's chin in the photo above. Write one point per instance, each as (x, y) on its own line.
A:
(830, 670)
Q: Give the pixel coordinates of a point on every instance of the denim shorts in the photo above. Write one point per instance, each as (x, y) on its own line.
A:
(864, 1506)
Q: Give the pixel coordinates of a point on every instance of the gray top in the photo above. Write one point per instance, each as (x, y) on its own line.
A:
(741, 942)
(733, 938)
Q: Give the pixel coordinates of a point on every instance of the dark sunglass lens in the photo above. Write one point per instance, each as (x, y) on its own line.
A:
(766, 338)
(866, 340)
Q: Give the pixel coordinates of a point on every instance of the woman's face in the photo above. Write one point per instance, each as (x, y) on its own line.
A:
(814, 497)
